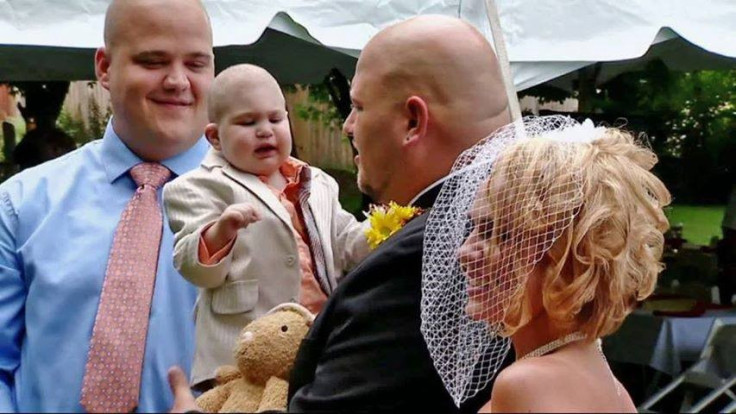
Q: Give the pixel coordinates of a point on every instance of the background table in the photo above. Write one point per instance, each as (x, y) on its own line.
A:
(662, 342)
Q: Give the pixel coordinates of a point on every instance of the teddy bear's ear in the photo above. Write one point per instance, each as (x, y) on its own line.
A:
(294, 307)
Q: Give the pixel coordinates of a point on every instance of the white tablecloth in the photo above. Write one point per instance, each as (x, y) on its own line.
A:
(662, 342)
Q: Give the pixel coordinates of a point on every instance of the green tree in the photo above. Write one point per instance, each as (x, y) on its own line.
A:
(689, 119)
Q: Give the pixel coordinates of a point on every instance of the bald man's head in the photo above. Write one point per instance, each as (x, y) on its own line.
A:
(444, 59)
(236, 80)
(424, 90)
(121, 13)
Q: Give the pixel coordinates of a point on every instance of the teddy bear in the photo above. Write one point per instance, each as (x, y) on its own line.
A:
(264, 355)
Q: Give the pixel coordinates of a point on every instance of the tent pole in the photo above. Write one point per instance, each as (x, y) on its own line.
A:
(503, 59)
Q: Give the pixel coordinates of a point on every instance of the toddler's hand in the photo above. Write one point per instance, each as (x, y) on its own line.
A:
(231, 220)
(238, 216)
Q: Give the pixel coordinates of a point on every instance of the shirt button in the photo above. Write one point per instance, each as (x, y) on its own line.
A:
(290, 260)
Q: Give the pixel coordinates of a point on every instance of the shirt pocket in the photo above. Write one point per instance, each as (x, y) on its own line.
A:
(235, 297)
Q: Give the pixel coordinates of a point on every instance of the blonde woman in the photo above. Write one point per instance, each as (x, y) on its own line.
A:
(562, 236)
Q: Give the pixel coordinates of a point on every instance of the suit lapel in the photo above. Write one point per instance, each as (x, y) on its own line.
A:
(318, 202)
(313, 200)
(424, 201)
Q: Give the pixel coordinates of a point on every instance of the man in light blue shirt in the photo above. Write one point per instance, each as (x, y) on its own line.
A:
(57, 220)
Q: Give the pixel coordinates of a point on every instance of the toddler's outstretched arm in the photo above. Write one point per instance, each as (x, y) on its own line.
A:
(224, 230)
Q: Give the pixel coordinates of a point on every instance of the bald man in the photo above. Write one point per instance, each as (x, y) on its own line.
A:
(424, 90)
(57, 223)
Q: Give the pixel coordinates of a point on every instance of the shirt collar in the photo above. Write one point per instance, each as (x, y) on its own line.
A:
(296, 173)
(417, 200)
(292, 169)
(117, 158)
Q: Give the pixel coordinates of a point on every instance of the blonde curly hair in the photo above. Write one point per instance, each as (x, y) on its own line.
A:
(609, 257)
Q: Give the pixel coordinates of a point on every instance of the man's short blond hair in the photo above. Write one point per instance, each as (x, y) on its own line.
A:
(116, 9)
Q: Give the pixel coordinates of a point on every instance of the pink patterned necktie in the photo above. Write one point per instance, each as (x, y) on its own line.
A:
(113, 373)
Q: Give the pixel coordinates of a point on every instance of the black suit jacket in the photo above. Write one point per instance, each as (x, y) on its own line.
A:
(365, 351)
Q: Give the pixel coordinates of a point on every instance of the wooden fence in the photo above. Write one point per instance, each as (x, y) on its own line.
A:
(316, 143)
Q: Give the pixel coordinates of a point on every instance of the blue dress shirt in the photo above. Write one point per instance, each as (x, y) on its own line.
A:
(57, 222)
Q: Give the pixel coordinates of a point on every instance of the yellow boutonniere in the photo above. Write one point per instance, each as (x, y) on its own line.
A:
(387, 220)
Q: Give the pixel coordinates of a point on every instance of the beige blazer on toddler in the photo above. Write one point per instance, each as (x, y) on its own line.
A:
(262, 268)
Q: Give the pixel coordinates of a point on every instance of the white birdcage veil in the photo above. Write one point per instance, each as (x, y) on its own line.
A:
(492, 222)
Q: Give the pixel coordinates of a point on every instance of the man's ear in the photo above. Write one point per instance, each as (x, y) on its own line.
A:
(102, 67)
(213, 136)
(418, 119)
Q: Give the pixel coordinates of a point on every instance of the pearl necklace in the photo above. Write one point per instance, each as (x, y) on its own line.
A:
(554, 345)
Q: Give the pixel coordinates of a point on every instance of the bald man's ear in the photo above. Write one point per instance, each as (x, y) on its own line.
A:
(102, 67)
(418, 119)
(213, 136)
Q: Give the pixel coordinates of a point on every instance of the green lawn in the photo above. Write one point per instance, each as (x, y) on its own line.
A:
(699, 223)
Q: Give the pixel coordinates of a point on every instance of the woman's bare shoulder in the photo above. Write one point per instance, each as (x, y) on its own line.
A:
(556, 384)
(515, 385)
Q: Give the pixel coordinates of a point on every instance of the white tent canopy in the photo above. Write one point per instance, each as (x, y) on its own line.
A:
(555, 37)
(300, 41)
